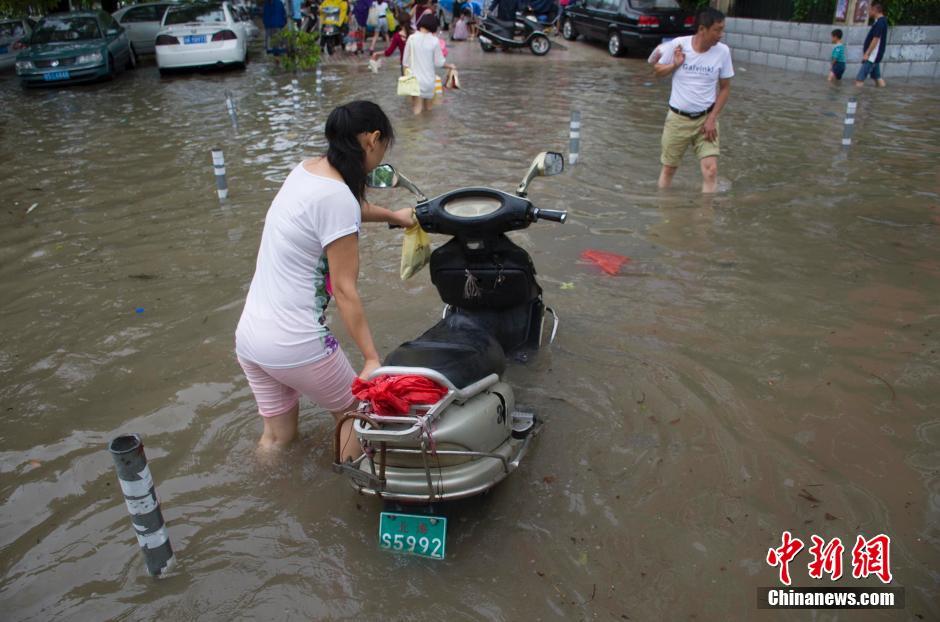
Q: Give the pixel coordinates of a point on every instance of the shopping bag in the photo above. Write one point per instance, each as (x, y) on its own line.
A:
(390, 20)
(438, 87)
(408, 85)
(415, 251)
(453, 80)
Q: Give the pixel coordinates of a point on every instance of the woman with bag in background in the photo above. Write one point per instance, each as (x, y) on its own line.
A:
(309, 254)
(423, 56)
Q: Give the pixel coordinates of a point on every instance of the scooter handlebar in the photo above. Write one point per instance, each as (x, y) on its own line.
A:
(549, 214)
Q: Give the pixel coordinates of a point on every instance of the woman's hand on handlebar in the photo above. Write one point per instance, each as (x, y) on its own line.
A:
(403, 218)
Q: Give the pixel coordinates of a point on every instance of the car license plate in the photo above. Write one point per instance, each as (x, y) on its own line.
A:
(55, 75)
(424, 536)
(190, 39)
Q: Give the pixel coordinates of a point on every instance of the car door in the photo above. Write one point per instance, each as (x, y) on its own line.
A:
(134, 22)
(593, 27)
(118, 43)
(604, 15)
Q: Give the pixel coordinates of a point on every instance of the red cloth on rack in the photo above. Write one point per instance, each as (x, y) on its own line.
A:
(394, 395)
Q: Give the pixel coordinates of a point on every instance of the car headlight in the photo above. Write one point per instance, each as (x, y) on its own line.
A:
(24, 65)
(85, 59)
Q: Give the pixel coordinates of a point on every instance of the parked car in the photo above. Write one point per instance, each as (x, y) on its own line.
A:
(142, 22)
(623, 24)
(202, 34)
(445, 11)
(13, 36)
(75, 47)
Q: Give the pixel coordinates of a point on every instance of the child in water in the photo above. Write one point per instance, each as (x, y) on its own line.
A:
(838, 56)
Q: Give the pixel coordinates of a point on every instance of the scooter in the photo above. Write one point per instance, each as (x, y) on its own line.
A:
(334, 24)
(470, 439)
(524, 31)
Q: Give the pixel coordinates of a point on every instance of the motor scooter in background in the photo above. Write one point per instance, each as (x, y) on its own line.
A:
(334, 24)
(471, 436)
(524, 31)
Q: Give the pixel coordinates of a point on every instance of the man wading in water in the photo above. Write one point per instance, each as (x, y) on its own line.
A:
(701, 82)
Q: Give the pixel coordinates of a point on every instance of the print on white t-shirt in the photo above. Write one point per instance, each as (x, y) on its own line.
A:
(695, 83)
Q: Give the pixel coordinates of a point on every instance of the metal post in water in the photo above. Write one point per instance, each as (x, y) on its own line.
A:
(140, 495)
(319, 82)
(849, 127)
(574, 146)
(232, 111)
(218, 163)
(295, 94)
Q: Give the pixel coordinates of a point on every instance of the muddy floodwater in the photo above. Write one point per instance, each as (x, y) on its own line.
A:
(766, 361)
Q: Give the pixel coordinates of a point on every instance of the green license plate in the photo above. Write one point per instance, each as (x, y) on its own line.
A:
(424, 536)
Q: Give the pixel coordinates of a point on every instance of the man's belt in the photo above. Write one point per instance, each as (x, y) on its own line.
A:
(693, 115)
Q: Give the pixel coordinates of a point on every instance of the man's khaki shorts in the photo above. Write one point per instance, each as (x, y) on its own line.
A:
(679, 132)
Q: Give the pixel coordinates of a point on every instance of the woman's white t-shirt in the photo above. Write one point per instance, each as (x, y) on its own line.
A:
(422, 55)
(283, 323)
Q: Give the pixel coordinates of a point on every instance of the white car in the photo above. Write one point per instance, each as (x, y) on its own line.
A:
(142, 22)
(202, 34)
(13, 35)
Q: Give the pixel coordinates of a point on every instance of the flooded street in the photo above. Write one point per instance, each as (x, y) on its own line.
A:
(767, 360)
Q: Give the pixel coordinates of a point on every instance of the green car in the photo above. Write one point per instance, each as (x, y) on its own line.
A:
(78, 46)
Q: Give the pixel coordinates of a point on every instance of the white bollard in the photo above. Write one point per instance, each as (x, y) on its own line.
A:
(574, 145)
(218, 164)
(295, 94)
(232, 111)
(319, 81)
(849, 126)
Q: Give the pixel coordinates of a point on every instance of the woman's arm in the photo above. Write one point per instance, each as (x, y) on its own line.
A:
(343, 256)
(374, 213)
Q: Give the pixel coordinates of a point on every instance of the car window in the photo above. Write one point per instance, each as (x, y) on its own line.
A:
(151, 13)
(610, 5)
(11, 30)
(202, 13)
(57, 29)
(654, 4)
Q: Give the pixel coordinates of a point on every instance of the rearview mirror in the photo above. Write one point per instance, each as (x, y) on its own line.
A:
(546, 163)
(383, 176)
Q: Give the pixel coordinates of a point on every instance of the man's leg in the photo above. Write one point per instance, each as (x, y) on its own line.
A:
(709, 174)
(665, 176)
(876, 75)
(862, 75)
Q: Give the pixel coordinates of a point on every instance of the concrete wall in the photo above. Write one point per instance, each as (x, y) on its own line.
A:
(913, 52)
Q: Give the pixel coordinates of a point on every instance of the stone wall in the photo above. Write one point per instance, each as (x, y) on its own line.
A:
(913, 51)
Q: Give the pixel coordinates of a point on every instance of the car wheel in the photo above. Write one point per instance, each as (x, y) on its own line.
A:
(540, 45)
(614, 45)
(568, 31)
(131, 58)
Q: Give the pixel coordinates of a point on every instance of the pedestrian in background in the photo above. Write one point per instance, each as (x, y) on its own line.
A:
(838, 56)
(423, 56)
(701, 70)
(381, 25)
(361, 13)
(399, 37)
(873, 50)
(274, 17)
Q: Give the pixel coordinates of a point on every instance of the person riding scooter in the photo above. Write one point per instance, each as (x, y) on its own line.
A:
(334, 23)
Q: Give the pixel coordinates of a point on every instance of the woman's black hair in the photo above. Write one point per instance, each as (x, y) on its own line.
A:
(428, 22)
(345, 154)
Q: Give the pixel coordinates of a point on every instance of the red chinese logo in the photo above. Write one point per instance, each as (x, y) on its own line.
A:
(783, 555)
(826, 559)
(872, 557)
(869, 557)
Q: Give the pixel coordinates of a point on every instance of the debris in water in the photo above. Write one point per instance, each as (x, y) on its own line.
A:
(608, 262)
(808, 496)
(32, 207)
(567, 285)
(139, 310)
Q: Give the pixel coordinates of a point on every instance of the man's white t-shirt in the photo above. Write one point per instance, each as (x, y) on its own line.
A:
(283, 323)
(695, 83)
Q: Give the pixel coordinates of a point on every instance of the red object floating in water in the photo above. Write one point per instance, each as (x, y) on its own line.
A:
(608, 262)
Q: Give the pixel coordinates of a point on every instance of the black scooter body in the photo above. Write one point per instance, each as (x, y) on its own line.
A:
(520, 33)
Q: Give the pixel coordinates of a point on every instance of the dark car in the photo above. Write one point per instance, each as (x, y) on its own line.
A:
(626, 24)
(74, 47)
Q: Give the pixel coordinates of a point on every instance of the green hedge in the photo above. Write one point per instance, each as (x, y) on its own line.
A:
(913, 12)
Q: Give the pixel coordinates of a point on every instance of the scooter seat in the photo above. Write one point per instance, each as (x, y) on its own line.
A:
(457, 347)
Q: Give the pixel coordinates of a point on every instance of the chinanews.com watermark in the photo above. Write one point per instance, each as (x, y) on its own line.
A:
(870, 557)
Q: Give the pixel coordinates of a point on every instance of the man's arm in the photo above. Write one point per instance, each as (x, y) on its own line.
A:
(710, 128)
(871, 49)
(673, 59)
